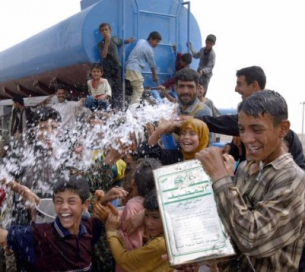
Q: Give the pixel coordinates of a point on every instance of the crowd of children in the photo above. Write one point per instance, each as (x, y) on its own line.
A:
(99, 173)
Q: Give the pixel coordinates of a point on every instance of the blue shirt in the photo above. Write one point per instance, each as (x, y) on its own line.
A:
(142, 54)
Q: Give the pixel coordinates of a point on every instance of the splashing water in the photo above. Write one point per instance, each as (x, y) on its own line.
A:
(112, 131)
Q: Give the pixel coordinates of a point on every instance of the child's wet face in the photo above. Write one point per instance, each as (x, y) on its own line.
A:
(96, 73)
(153, 223)
(189, 140)
(69, 209)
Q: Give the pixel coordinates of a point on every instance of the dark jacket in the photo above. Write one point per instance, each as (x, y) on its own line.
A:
(16, 125)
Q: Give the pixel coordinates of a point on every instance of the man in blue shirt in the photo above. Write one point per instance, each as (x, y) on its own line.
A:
(141, 55)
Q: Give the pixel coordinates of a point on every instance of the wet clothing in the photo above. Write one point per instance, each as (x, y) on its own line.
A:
(264, 214)
(51, 247)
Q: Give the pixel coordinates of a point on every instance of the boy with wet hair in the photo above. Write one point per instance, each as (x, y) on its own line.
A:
(148, 257)
(263, 207)
(65, 244)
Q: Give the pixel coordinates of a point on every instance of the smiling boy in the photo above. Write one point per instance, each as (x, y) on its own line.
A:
(65, 244)
(263, 207)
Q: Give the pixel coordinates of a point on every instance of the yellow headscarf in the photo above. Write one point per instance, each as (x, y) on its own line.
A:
(202, 131)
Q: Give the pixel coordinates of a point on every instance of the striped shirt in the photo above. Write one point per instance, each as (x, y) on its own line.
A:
(264, 215)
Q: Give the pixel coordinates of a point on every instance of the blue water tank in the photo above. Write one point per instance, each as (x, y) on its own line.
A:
(65, 50)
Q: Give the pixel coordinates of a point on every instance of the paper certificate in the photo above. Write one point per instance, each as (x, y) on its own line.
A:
(192, 227)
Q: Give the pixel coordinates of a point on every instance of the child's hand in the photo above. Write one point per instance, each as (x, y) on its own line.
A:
(98, 195)
(102, 212)
(229, 163)
(150, 128)
(165, 126)
(107, 37)
(114, 155)
(113, 222)
(112, 194)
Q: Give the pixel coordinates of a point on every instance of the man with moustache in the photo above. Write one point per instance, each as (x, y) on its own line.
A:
(187, 81)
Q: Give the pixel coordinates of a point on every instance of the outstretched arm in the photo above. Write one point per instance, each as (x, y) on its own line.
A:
(24, 191)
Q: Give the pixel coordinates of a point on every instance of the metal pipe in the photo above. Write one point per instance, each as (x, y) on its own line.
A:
(188, 4)
(123, 60)
(157, 13)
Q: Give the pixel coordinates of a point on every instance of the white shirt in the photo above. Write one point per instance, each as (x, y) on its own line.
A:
(67, 111)
(102, 88)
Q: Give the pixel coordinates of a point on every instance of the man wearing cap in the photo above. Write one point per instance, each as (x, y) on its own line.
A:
(207, 58)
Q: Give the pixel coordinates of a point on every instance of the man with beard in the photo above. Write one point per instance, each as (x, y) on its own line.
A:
(187, 84)
(187, 81)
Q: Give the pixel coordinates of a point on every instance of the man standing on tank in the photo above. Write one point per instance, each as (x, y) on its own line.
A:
(142, 54)
(207, 58)
(109, 53)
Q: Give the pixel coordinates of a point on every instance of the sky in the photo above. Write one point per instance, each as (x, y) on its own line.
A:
(266, 33)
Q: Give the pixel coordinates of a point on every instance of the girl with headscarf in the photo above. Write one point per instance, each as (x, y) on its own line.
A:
(194, 137)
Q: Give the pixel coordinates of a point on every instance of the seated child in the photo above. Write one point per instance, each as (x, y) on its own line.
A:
(99, 89)
(146, 258)
(194, 136)
(142, 183)
(65, 244)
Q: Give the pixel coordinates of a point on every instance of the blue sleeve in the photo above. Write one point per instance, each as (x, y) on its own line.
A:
(21, 240)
